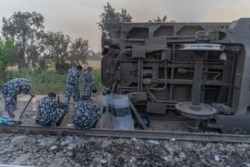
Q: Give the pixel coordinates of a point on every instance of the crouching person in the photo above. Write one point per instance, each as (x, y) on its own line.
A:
(86, 114)
(50, 111)
(10, 90)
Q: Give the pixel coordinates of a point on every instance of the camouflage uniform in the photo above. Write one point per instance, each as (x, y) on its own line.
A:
(72, 85)
(86, 114)
(88, 84)
(11, 89)
(50, 112)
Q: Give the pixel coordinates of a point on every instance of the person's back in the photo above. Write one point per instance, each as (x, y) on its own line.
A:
(15, 86)
(87, 76)
(86, 114)
(72, 76)
(88, 82)
(10, 90)
(50, 111)
(72, 86)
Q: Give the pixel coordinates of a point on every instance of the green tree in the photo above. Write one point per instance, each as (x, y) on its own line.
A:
(8, 54)
(56, 50)
(26, 30)
(160, 20)
(79, 52)
(61, 53)
(109, 15)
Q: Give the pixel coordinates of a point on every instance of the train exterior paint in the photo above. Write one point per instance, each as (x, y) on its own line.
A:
(199, 70)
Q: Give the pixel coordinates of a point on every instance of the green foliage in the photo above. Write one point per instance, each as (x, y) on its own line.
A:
(160, 20)
(37, 49)
(109, 15)
(7, 55)
(56, 50)
(62, 53)
(79, 52)
(96, 72)
(97, 80)
(26, 30)
(42, 81)
(45, 81)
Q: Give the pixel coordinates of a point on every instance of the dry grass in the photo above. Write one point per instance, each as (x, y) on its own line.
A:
(96, 64)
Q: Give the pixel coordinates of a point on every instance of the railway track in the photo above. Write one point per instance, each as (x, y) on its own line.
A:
(143, 134)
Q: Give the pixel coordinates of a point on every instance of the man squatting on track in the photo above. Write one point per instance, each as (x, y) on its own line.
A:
(86, 114)
(51, 111)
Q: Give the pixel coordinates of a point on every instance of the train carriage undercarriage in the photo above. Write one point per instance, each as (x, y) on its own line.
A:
(197, 70)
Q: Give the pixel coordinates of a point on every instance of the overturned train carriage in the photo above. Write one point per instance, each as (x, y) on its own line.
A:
(200, 70)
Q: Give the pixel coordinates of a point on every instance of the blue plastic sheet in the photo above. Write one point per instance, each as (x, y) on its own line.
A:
(4, 120)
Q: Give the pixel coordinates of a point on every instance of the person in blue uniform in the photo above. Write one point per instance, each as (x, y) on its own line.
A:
(88, 82)
(50, 111)
(72, 87)
(86, 114)
(11, 89)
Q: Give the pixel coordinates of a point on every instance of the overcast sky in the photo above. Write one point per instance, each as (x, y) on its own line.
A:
(78, 18)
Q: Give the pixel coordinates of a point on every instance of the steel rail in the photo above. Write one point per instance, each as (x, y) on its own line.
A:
(143, 134)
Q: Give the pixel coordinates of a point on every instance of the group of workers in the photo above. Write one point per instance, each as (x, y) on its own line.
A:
(50, 110)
